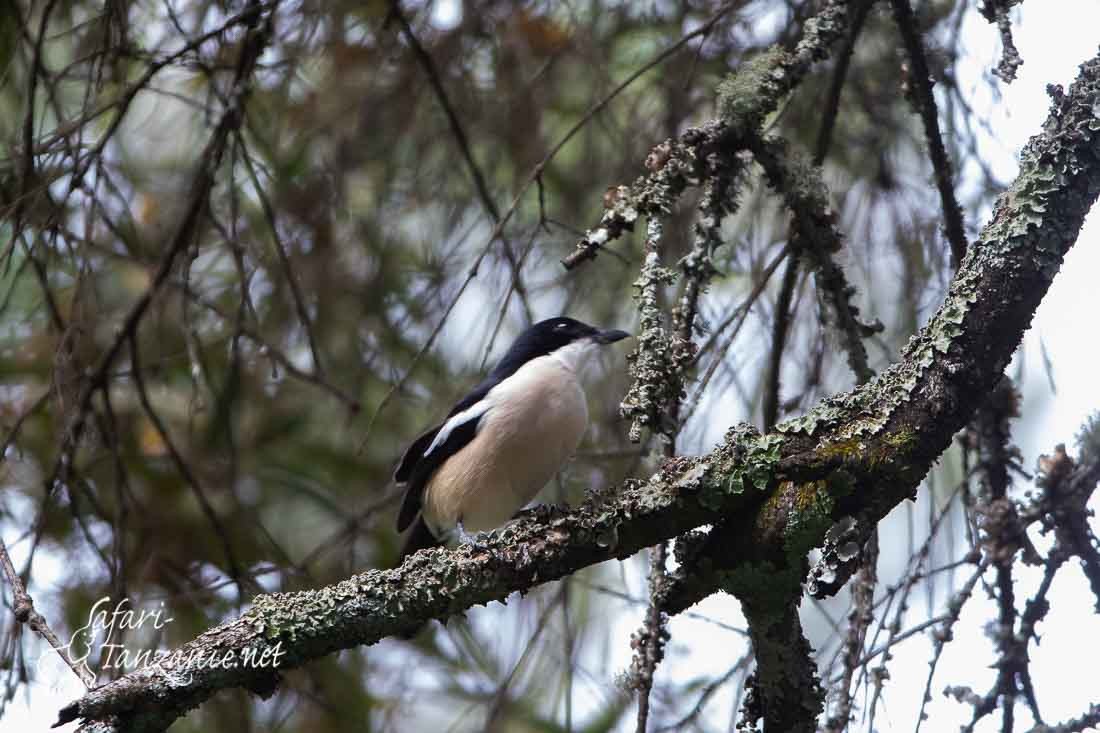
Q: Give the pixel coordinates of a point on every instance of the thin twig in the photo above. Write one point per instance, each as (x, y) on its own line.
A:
(943, 635)
(236, 570)
(780, 325)
(284, 258)
(201, 185)
(25, 613)
(13, 433)
(463, 143)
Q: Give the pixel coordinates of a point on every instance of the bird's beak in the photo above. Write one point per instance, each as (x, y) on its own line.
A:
(610, 336)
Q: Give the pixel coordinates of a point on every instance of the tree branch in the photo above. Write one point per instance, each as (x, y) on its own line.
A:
(817, 236)
(463, 143)
(25, 613)
(920, 91)
(745, 99)
(996, 12)
(785, 687)
(201, 185)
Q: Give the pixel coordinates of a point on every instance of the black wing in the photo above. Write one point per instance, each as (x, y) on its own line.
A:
(413, 454)
(415, 468)
(423, 469)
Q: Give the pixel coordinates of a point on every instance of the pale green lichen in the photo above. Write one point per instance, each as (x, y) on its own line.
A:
(809, 518)
(767, 584)
(748, 461)
(660, 358)
(756, 468)
(741, 95)
(1009, 241)
(755, 89)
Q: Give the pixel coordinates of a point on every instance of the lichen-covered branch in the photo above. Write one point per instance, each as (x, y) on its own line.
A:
(856, 455)
(996, 11)
(1067, 489)
(894, 424)
(719, 200)
(744, 100)
(659, 359)
(661, 363)
(649, 641)
(786, 691)
(817, 239)
(859, 620)
(545, 544)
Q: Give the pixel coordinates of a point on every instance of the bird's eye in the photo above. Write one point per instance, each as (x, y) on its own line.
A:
(560, 325)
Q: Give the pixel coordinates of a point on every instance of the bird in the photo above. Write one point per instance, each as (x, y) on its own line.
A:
(503, 442)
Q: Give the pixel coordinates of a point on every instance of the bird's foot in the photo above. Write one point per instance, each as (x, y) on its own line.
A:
(464, 537)
(469, 538)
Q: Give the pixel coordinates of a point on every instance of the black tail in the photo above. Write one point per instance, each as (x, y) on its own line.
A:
(418, 538)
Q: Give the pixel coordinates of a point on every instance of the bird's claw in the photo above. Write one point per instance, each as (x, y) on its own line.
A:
(469, 538)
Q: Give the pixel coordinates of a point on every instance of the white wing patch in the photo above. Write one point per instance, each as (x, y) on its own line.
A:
(470, 413)
(519, 386)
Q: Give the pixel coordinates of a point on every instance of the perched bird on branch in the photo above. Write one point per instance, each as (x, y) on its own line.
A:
(503, 441)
